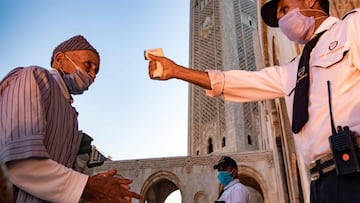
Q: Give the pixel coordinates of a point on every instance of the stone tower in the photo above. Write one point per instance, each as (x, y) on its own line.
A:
(222, 38)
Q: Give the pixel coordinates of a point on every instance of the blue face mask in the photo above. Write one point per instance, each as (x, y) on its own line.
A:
(224, 177)
(78, 81)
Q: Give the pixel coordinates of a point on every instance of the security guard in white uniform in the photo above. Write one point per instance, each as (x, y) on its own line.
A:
(326, 73)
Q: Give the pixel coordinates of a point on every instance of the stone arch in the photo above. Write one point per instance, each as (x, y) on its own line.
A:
(159, 186)
(208, 134)
(254, 181)
(201, 197)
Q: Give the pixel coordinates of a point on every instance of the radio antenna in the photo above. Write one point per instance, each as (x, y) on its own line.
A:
(333, 129)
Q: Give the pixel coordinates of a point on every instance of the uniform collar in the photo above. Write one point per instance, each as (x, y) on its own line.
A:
(327, 24)
(233, 182)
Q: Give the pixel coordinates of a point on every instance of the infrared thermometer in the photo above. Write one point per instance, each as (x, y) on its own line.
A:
(157, 52)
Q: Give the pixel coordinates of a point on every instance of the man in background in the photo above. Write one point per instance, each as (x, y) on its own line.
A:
(233, 191)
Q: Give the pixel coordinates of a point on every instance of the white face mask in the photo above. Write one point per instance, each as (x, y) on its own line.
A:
(78, 81)
(297, 27)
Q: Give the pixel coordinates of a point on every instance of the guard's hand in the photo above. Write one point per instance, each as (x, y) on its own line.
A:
(169, 67)
(105, 187)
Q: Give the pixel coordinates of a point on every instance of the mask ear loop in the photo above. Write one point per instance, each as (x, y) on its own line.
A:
(61, 70)
(312, 9)
(76, 66)
(317, 18)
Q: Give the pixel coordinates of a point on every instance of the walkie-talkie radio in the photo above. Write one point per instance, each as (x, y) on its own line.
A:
(343, 146)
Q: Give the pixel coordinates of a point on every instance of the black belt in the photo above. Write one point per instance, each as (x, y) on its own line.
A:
(321, 166)
(326, 163)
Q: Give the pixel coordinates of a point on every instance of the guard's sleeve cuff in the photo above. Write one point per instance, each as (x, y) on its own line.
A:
(217, 79)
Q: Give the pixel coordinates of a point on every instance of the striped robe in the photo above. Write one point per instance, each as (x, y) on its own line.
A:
(36, 121)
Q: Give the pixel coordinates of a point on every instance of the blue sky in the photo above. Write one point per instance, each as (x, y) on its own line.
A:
(128, 115)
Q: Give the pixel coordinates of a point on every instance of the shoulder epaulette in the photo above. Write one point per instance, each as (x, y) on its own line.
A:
(350, 12)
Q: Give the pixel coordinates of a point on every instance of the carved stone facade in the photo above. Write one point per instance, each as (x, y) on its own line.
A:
(194, 176)
(227, 35)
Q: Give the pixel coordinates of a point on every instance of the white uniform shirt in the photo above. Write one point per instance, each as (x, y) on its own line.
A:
(235, 192)
(336, 58)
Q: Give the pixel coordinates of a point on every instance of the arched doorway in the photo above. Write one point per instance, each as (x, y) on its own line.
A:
(159, 186)
(254, 181)
(254, 188)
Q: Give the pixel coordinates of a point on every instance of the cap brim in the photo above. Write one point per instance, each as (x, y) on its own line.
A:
(219, 165)
(269, 13)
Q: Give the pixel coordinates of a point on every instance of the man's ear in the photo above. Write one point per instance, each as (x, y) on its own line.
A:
(58, 60)
(310, 3)
(234, 173)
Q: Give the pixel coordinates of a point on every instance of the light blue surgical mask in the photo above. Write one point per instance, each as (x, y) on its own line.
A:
(224, 177)
(78, 81)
